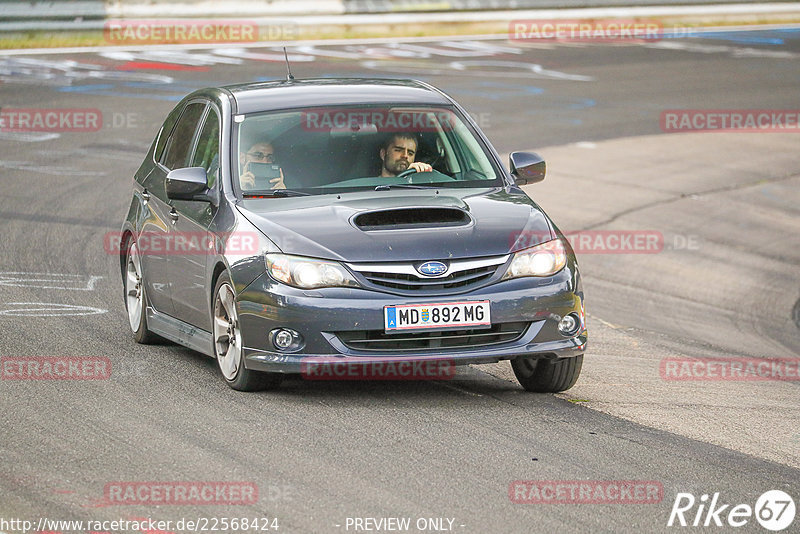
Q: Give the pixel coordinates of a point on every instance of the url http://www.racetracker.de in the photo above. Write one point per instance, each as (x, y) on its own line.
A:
(119, 526)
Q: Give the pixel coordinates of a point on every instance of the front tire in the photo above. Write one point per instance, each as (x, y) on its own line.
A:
(547, 375)
(135, 297)
(228, 343)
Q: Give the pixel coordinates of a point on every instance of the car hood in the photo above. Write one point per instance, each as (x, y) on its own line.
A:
(401, 225)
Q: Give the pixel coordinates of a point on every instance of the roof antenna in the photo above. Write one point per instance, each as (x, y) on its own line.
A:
(289, 76)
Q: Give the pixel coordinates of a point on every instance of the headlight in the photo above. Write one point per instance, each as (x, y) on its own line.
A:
(307, 273)
(542, 260)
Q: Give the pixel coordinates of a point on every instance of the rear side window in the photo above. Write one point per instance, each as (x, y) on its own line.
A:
(163, 134)
(180, 142)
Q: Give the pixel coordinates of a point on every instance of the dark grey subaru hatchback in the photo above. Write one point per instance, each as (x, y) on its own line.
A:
(347, 227)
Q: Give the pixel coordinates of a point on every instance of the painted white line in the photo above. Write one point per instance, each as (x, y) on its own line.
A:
(72, 282)
(243, 53)
(64, 72)
(453, 49)
(28, 137)
(506, 69)
(734, 51)
(526, 69)
(171, 56)
(480, 46)
(48, 309)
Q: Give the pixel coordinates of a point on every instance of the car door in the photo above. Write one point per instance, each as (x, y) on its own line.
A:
(189, 295)
(158, 231)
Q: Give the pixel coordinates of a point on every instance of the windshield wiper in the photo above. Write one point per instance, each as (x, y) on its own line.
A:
(386, 187)
(276, 193)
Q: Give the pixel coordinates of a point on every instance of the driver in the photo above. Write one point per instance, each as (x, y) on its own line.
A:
(397, 155)
(260, 152)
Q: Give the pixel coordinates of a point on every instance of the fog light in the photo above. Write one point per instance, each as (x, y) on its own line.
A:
(285, 339)
(568, 325)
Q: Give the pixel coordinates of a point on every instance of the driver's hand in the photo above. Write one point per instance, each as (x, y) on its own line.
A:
(248, 180)
(278, 182)
(420, 166)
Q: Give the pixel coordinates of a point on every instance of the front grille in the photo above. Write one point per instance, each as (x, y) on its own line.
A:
(410, 282)
(378, 340)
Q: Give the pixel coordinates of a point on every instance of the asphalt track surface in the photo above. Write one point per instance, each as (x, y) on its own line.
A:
(726, 284)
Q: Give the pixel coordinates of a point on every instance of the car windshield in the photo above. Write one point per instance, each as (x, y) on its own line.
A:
(339, 149)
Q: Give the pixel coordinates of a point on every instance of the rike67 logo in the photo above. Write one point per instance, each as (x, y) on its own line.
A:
(774, 510)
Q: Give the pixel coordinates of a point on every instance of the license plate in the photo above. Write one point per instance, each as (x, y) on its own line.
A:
(444, 315)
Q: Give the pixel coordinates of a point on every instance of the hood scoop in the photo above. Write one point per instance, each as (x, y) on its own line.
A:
(411, 218)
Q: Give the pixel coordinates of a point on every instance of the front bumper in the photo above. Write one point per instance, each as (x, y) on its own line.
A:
(325, 317)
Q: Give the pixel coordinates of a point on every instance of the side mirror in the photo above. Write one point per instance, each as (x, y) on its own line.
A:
(188, 184)
(527, 167)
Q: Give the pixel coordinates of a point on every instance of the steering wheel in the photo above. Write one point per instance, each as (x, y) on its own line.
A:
(407, 174)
